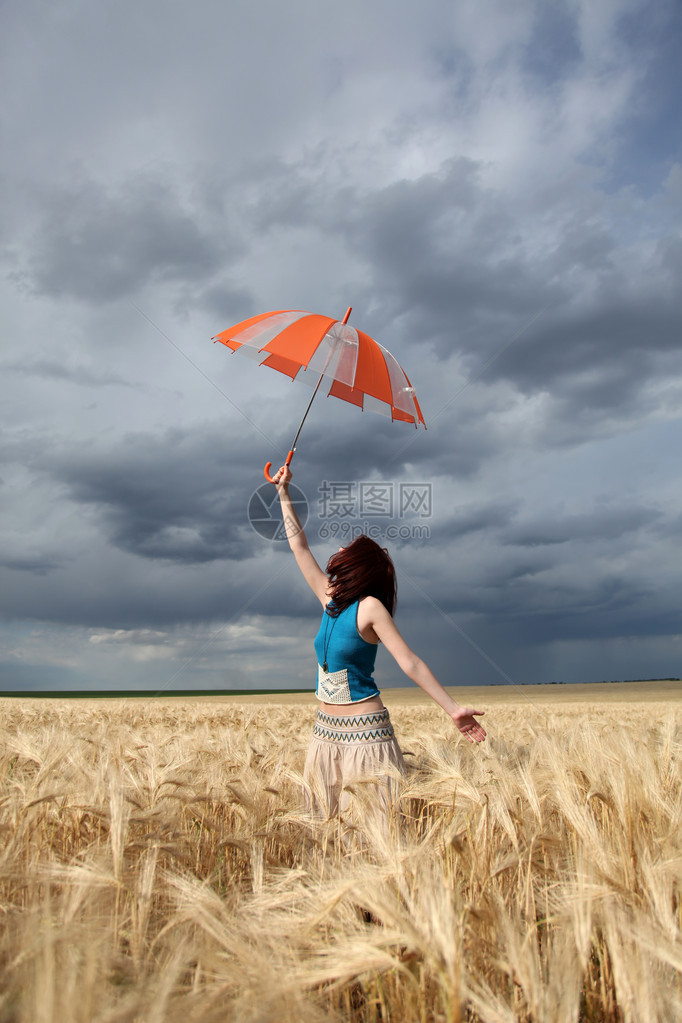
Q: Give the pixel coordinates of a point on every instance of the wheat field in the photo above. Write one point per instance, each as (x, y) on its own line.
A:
(157, 865)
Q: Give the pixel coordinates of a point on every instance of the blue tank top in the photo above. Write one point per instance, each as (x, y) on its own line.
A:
(345, 661)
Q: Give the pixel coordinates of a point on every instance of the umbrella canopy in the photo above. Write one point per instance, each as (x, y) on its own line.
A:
(313, 348)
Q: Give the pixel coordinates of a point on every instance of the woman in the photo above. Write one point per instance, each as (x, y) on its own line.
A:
(353, 738)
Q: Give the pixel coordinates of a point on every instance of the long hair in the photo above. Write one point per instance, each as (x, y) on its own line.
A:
(362, 569)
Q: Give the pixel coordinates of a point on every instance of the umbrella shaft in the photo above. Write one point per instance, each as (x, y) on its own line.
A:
(317, 387)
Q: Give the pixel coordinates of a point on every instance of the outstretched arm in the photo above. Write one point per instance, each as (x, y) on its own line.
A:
(420, 673)
(312, 573)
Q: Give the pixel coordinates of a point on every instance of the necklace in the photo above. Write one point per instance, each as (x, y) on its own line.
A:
(327, 641)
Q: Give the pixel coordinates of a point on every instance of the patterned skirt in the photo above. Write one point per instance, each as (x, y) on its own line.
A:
(352, 757)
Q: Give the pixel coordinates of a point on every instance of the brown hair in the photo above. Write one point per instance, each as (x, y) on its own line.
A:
(362, 569)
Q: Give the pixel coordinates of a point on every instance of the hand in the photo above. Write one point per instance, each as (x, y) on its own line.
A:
(468, 725)
(282, 478)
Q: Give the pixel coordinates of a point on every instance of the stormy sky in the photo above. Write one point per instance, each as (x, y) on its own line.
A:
(495, 188)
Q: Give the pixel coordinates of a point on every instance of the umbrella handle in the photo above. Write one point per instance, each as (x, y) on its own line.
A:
(268, 466)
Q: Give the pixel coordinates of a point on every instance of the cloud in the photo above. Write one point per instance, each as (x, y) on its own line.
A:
(163, 497)
(81, 376)
(38, 564)
(595, 524)
(96, 244)
(494, 188)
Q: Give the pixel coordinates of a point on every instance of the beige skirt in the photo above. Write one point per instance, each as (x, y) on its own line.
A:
(356, 756)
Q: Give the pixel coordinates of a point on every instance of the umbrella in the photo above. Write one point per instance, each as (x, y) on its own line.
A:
(309, 347)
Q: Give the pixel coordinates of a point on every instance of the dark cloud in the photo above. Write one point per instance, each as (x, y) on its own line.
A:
(291, 194)
(553, 48)
(612, 612)
(671, 527)
(450, 257)
(183, 496)
(229, 304)
(98, 245)
(592, 525)
(25, 678)
(101, 588)
(37, 564)
(642, 154)
(163, 497)
(81, 376)
(456, 267)
(470, 519)
(599, 357)
(480, 187)
(534, 605)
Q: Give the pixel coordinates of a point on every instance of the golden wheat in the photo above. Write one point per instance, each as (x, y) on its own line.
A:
(157, 865)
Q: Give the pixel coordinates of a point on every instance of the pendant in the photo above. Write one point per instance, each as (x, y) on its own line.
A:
(325, 669)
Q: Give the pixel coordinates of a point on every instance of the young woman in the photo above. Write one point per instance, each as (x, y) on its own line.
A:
(353, 738)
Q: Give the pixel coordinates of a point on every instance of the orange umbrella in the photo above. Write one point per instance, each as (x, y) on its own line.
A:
(313, 348)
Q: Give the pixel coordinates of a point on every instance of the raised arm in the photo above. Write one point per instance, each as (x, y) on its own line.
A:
(413, 666)
(312, 573)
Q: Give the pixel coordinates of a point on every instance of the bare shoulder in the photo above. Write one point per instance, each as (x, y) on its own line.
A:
(371, 609)
(374, 620)
(372, 614)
